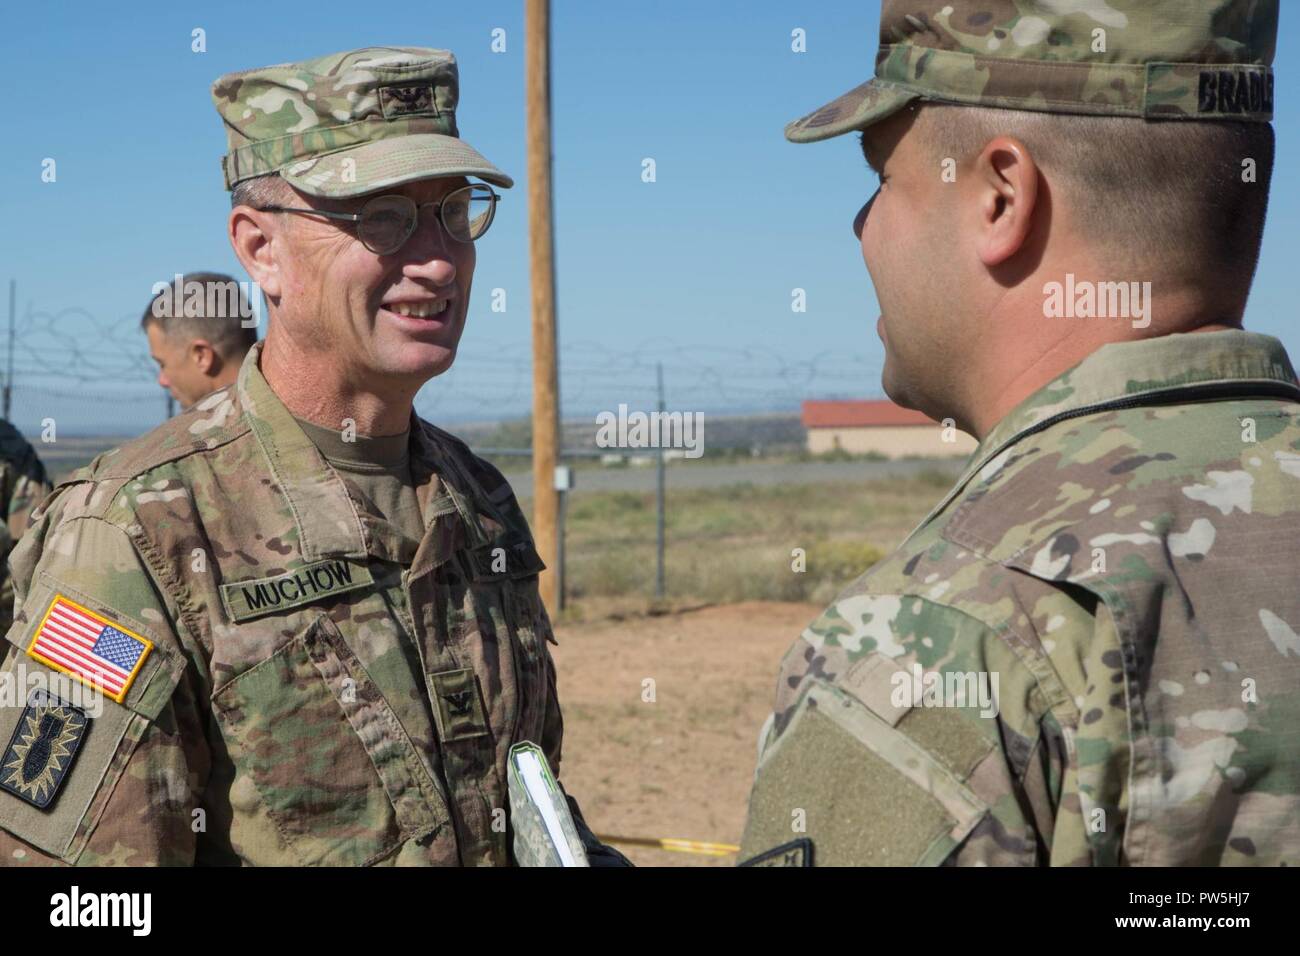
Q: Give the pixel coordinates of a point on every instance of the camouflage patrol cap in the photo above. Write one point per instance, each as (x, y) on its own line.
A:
(348, 123)
(1151, 59)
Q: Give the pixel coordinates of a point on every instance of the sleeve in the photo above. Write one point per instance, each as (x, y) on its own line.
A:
(502, 497)
(104, 748)
(29, 487)
(903, 735)
(24, 486)
(1085, 759)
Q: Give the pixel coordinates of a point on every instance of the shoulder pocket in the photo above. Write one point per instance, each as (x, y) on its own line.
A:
(863, 792)
(66, 744)
(325, 753)
(508, 556)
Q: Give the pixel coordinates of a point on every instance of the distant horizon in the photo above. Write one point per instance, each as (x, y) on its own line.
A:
(579, 418)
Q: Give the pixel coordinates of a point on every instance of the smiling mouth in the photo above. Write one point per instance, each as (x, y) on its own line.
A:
(418, 310)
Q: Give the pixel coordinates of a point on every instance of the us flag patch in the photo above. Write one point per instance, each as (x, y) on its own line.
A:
(96, 651)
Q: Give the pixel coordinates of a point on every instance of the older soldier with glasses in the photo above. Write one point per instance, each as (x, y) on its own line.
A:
(312, 616)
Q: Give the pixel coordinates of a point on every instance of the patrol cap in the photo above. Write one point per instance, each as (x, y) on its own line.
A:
(1150, 59)
(348, 123)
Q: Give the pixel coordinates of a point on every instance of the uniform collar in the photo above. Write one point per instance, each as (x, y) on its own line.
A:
(330, 522)
(1122, 374)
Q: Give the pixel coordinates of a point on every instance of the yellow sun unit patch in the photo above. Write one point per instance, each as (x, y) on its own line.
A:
(96, 651)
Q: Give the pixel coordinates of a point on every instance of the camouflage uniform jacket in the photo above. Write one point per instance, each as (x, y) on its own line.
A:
(23, 484)
(319, 690)
(1120, 564)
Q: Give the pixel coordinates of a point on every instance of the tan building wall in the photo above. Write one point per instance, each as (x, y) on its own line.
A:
(893, 441)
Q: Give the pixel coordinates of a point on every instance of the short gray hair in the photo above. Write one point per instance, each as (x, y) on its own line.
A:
(260, 191)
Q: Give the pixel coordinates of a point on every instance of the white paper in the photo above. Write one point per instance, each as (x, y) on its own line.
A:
(534, 781)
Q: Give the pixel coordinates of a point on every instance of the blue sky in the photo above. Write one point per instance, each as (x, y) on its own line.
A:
(694, 270)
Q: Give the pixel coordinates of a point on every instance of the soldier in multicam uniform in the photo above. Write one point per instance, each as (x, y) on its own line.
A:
(313, 616)
(23, 483)
(1088, 652)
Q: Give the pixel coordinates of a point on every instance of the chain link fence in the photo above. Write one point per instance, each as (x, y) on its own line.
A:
(77, 385)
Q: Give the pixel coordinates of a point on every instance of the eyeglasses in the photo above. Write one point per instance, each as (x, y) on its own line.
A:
(860, 220)
(386, 222)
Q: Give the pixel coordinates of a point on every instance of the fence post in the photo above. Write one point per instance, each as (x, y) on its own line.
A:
(563, 485)
(659, 496)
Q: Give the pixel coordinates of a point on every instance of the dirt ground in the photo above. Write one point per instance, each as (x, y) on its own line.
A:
(681, 765)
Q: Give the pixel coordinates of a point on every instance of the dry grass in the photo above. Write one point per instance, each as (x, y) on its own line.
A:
(736, 543)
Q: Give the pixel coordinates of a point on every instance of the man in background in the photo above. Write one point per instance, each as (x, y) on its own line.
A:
(199, 353)
(23, 483)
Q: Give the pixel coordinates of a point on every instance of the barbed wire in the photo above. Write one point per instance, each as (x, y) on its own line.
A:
(118, 352)
(53, 350)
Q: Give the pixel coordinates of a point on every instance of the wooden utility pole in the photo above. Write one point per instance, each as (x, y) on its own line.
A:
(546, 379)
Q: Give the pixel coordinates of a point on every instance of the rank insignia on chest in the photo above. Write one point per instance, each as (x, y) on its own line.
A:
(42, 748)
(100, 653)
(458, 709)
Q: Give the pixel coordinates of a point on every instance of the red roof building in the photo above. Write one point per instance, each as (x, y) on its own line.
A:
(878, 426)
(868, 413)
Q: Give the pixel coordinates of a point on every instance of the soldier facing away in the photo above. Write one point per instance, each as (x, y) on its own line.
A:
(313, 616)
(1087, 653)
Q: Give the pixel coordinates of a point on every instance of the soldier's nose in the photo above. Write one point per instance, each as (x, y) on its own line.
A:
(860, 220)
(437, 266)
